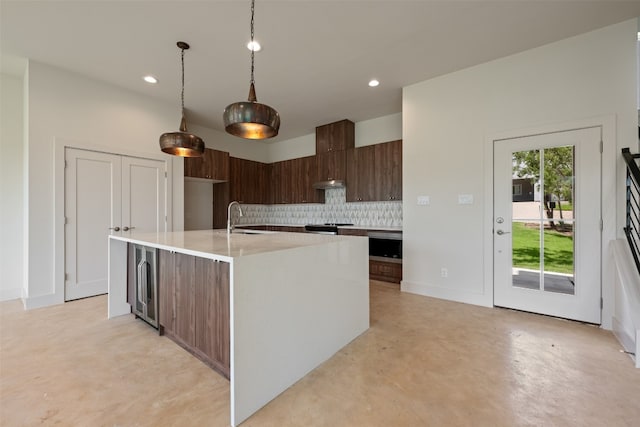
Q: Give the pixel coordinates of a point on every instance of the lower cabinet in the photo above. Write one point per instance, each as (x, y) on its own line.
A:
(385, 271)
(194, 306)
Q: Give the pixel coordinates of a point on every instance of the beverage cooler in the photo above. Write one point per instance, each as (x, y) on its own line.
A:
(143, 283)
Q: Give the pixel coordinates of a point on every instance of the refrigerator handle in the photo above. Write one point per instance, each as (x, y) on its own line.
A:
(140, 297)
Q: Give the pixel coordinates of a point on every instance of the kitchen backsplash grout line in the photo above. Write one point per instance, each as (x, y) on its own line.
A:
(335, 209)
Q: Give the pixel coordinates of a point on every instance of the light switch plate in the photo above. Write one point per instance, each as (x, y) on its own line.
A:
(423, 200)
(465, 199)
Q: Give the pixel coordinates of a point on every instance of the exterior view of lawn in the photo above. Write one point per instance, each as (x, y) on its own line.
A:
(558, 249)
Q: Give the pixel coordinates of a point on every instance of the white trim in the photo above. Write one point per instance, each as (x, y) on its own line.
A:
(607, 123)
(59, 146)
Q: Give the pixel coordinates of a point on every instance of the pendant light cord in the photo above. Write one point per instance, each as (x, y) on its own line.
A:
(182, 93)
(252, 46)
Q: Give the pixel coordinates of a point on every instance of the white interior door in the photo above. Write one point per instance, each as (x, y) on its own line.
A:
(106, 194)
(143, 195)
(547, 224)
(92, 211)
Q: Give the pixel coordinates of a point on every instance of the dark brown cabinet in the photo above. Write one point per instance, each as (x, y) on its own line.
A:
(249, 181)
(338, 136)
(303, 175)
(374, 172)
(385, 271)
(332, 165)
(361, 179)
(388, 170)
(213, 164)
(194, 306)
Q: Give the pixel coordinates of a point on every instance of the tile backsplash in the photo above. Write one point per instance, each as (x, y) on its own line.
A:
(335, 209)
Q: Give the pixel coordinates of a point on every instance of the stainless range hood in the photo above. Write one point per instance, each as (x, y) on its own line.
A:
(333, 183)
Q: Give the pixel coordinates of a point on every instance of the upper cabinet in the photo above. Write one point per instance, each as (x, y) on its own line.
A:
(336, 136)
(375, 172)
(250, 182)
(293, 180)
(213, 165)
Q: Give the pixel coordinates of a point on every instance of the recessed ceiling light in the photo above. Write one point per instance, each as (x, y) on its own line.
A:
(374, 83)
(150, 79)
(254, 46)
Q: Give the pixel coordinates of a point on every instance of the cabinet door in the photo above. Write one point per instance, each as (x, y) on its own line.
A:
(332, 165)
(185, 320)
(264, 184)
(213, 164)
(335, 136)
(388, 170)
(166, 291)
(212, 311)
(361, 174)
(282, 183)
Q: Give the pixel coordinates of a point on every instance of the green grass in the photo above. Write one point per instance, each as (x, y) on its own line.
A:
(558, 251)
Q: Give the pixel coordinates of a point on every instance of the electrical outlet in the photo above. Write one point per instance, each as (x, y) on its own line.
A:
(444, 272)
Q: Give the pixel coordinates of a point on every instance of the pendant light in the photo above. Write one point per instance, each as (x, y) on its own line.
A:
(182, 143)
(251, 120)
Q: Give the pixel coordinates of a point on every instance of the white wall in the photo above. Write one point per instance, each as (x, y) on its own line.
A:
(11, 188)
(367, 132)
(447, 121)
(63, 108)
(255, 150)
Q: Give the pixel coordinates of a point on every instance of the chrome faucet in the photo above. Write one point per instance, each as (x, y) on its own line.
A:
(230, 224)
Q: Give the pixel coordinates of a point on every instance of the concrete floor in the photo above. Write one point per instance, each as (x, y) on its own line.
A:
(423, 362)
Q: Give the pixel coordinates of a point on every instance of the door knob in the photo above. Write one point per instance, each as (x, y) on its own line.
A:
(114, 228)
(500, 232)
(125, 228)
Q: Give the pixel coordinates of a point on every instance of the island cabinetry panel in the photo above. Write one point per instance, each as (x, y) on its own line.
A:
(361, 178)
(212, 312)
(337, 136)
(194, 306)
(249, 181)
(213, 164)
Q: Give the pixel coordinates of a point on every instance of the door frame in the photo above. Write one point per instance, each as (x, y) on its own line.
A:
(610, 198)
(59, 146)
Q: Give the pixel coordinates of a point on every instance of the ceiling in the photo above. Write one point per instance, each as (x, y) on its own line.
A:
(317, 56)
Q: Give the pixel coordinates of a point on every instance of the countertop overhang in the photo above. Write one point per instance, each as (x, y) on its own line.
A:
(219, 245)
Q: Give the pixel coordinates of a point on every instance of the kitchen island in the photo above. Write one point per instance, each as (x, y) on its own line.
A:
(294, 299)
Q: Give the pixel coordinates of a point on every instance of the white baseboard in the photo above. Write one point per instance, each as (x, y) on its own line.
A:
(450, 294)
(623, 336)
(9, 294)
(42, 301)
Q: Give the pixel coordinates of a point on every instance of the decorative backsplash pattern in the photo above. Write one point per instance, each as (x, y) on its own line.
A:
(335, 209)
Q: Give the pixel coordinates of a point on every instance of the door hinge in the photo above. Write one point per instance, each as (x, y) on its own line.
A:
(601, 146)
(66, 220)
(165, 174)
(601, 303)
(66, 164)
(66, 276)
(601, 225)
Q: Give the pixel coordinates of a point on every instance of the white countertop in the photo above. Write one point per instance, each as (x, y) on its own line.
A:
(218, 245)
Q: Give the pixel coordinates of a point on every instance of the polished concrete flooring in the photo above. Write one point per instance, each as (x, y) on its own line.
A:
(423, 362)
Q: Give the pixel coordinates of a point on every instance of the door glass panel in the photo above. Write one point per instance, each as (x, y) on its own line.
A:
(543, 219)
(526, 254)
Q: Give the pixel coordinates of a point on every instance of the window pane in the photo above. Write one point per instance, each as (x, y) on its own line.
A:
(558, 258)
(525, 186)
(526, 254)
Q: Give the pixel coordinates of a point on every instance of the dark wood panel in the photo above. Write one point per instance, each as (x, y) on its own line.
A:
(352, 231)
(361, 174)
(220, 202)
(332, 165)
(385, 271)
(388, 170)
(185, 320)
(249, 181)
(166, 291)
(213, 164)
(335, 136)
(212, 311)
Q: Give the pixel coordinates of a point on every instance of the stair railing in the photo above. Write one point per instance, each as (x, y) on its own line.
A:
(632, 225)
